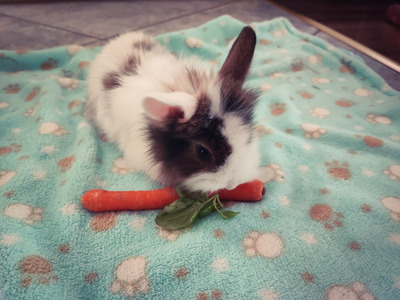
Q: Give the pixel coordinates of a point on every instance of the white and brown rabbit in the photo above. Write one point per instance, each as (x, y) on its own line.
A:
(176, 119)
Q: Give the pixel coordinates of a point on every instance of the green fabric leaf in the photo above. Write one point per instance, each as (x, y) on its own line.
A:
(191, 205)
(179, 214)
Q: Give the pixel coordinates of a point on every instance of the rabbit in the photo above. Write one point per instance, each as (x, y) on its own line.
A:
(177, 119)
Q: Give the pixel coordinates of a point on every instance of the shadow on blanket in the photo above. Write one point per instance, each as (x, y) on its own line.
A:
(329, 226)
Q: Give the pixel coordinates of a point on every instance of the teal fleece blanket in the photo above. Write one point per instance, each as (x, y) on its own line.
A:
(328, 227)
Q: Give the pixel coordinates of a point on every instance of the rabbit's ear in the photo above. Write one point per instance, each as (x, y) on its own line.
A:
(237, 64)
(177, 106)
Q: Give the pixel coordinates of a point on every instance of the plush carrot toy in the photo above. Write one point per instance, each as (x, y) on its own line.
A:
(101, 200)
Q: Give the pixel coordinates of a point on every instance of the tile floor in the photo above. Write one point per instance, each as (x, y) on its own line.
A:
(91, 23)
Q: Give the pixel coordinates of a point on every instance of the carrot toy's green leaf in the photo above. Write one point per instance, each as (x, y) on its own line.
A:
(179, 214)
(206, 210)
(183, 212)
(228, 214)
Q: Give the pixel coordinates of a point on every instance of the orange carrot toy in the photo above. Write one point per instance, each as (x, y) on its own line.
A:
(246, 192)
(101, 200)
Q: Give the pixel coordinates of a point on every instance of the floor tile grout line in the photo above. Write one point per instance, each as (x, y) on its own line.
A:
(52, 26)
(179, 17)
(316, 32)
(105, 39)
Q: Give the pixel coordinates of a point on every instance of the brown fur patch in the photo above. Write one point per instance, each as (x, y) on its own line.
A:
(195, 77)
(145, 44)
(112, 81)
(131, 65)
(199, 79)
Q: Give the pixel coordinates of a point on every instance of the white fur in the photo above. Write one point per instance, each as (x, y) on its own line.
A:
(119, 112)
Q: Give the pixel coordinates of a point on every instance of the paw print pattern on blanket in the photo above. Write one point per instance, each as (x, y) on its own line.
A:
(320, 112)
(362, 92)
(272, 172)
(130, 277)
(73, 49)
(36, 270)
(103, 221)
(338, 170)
(6, 176)
(347, 67)
(192, 42)
(277, 109)
(314, 59)
(372, 141)
(325, 214)
(75, 103)
(9, 239)
(313, 131)
(24, 212)
(393, 172)
(49, 64)
(91, 277)
(84, 64)
(280, 32)
(266, 245)
(393, 204)
(215, 294)
(119, 166)
(321, 80)
(342, 102)
(384, 120)
(66, 163)
(52, 128)
(305, 95)
(12, 88)
(13, 148)
(34, 92)
(3, 105)
(262, 131)
(170, 235)
(354, 291)
(68, 83)
(31, 111)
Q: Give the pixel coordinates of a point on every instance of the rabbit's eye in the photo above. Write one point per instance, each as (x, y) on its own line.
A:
(203, 153)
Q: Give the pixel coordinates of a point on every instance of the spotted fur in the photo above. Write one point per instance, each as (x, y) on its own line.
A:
(131, 64)
(177, 119)
(111, 81)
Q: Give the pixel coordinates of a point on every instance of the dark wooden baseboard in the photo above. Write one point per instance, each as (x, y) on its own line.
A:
(360, 24)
